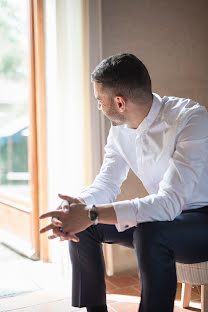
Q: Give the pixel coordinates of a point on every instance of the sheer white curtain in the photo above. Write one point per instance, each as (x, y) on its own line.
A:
(65, 107)
(73, 48)
(65, 96)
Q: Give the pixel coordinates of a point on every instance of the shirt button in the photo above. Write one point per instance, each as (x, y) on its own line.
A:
(126, 226)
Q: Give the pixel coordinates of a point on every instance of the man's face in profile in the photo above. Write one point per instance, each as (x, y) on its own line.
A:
(107, 104)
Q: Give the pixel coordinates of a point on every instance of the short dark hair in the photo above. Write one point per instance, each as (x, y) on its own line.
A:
(125, 75)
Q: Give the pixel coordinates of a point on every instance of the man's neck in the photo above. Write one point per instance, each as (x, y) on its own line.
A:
(138, 114)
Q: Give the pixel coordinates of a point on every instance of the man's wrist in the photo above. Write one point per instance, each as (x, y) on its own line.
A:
(106, 214)
(93, 214)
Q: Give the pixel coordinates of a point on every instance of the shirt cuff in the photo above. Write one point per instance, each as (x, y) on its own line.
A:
(125, 215)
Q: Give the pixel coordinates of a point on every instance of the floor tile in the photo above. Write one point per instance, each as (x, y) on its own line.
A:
(109, 301)
(111, 309)
(179, 309)
(30, 299)
(110, 286)
(56, 306)
(129, 291)
(130, 273)
(125, 306)
(123, 281)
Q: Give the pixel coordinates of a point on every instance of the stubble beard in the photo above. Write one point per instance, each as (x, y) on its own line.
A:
(115, 118)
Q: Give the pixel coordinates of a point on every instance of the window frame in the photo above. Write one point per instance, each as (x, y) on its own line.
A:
(37, 158)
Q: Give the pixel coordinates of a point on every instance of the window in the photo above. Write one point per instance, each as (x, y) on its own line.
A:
(23, 178)
(14, 98)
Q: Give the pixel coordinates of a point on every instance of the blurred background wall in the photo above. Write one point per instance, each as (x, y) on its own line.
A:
(170, 37)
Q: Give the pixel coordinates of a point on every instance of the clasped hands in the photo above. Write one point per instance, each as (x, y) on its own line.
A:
(71, 217)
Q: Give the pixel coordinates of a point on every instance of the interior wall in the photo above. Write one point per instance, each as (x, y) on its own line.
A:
(170, 37)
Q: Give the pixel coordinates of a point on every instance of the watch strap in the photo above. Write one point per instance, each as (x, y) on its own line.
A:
(93, 214)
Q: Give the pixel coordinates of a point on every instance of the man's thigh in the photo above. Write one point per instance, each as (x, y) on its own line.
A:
(187, 235)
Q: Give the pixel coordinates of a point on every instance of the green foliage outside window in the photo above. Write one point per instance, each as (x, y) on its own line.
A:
(12, 41)
(14, 45)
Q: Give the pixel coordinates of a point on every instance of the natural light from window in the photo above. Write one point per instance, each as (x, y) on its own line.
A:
(14, 106)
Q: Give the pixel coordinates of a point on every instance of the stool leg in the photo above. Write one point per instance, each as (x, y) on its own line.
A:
(185, 295)
(204, 298)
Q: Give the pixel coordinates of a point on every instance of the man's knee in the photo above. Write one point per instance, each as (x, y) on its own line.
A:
(148, 232)
(149, 238)
(90, 237)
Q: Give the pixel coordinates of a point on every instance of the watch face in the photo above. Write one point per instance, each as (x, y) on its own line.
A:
(93, 215)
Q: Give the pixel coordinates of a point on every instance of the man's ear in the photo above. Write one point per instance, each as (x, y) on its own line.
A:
(121, 103)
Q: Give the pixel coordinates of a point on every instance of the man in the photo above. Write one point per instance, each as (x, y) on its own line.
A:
(165, 142)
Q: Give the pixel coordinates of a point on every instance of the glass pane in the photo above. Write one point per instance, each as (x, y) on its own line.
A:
(14, 106)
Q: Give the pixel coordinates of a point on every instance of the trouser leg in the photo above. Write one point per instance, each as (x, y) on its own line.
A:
(158, 246)
(157, 269)
(88, 267)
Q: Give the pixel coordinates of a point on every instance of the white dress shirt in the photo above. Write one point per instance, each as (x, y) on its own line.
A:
(169, 154)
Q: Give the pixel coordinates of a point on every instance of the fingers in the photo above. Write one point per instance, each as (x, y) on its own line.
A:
(55, 234)
(52, 236)
(56, 222)
(47, 228)
(69, 199)
(65, 236)
(53, 213)
(75, 238)
(72, 237)
(65, 210)
(81, 200)
(65, 206)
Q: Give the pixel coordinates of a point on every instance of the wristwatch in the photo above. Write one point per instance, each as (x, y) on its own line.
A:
(93, 214)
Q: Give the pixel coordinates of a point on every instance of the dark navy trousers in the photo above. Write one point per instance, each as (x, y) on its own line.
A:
(158, 245)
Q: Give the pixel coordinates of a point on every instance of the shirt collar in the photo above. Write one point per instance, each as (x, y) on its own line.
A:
(150, 118)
